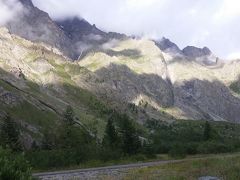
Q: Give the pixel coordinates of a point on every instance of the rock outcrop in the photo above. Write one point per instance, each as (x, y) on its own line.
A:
(202, 55)
(168, 46)
(194, 52)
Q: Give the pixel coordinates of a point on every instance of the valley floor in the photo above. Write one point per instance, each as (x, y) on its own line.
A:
(223, 166)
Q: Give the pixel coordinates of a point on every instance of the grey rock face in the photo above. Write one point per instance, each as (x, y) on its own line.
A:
(86, 37)
(8, 98)
(212, 100)
(167, 46)
(77, 28)
(36, 25)
(200, 55)
(26, 2)
(131, 85)
(194, 52)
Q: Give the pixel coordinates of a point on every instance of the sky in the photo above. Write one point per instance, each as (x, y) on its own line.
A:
(211, 23)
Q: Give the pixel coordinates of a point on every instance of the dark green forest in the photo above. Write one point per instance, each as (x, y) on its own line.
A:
(124, 139)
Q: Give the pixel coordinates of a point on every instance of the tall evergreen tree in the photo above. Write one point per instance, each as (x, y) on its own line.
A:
(130, 138)
(10, 134)
(111, 138)
(69, 116)
(207, 131)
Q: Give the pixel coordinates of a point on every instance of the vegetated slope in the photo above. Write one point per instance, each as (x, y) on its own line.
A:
(36, 86)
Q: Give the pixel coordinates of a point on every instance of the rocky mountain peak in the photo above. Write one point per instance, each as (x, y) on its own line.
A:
(168, 46)
(27, 3)
(195, 52)
(36, 25)
(76, 27)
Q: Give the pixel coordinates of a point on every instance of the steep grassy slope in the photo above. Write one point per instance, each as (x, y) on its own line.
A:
(36, 86)
(235, 86)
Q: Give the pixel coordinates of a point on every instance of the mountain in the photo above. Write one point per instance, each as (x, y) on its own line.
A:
(142, 78)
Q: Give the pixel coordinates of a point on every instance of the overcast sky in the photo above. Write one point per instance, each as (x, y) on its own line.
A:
(212, 23)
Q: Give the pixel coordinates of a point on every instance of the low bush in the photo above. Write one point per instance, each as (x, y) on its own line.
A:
(213, 147)
(178, 151)
(13, 166)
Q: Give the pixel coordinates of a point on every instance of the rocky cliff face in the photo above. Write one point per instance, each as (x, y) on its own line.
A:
(86, 37)
(36, 25)
(77, 29)
(167, 46)
(195, 52)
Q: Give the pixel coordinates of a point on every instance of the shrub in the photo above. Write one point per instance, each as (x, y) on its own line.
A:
(191, 148)
(13, 166)
(177, 151)
(139, 157)
(214, 147)
(9, 134)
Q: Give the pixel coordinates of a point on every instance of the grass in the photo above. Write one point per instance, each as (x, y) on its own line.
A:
(33, 115)
(235, 86)
(88, 108)
(30, 57)
(226, 167)
(6, 86)
(99, 163)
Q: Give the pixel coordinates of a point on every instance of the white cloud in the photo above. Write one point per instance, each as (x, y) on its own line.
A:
(141, 4)
(200, 23)
(229, 9)
(8, 10)
(235, 55)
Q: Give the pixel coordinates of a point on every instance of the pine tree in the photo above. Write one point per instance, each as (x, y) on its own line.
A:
(207, 131)
(10, 134)
(111, 138)
(131, 142)
(69, 116)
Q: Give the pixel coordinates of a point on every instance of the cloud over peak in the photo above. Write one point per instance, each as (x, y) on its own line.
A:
(8, 10)
(199, 23)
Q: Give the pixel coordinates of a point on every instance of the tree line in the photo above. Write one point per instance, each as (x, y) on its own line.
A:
(73, 145)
